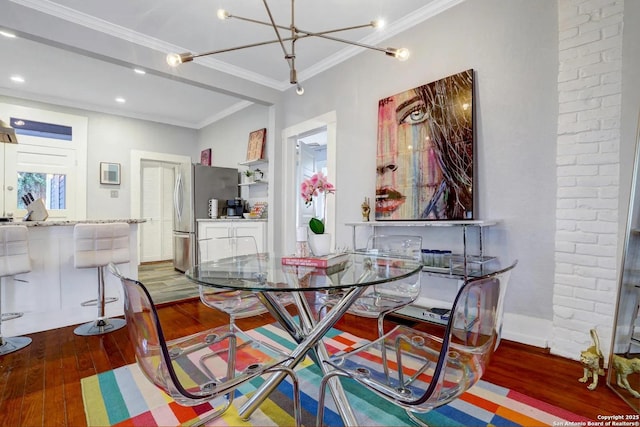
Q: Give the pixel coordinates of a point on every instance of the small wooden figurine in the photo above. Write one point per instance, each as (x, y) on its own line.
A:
(366, 209)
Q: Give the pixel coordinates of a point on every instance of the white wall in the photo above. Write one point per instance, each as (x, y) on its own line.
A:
(111, 139)
(228, 137)
(512, 46)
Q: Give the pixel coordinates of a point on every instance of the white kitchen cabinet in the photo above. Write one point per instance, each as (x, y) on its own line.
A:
(216, 228)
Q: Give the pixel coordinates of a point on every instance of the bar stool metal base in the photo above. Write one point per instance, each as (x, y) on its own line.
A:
(99, 327)
(11, 344)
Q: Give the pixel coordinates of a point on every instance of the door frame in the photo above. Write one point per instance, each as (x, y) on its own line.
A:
(137, 156)
(290, 137)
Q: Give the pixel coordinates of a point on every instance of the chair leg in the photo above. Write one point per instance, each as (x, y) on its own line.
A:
(413, 417)
(102, 324)
(383, 350)
(322, 393)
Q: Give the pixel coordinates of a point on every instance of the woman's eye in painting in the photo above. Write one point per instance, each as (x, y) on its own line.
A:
(386, 168)
(412, 113)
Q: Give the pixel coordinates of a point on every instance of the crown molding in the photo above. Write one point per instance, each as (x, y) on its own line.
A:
(224, 113)
(412, 19)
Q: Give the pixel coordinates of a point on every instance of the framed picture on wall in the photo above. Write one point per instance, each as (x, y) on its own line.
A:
(110, 173)
(424, 160)
(255, 147)
(205, 157)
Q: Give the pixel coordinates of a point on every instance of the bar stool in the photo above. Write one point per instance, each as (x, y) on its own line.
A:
(14, 259)
(96, 245)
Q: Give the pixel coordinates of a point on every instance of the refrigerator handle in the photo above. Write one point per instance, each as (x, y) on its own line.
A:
(177, 193)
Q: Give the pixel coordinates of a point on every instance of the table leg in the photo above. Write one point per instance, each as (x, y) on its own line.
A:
(313, 340)
(282, 316)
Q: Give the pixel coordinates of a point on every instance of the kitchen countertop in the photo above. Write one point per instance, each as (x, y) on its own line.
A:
(231, 219)
(71, 222)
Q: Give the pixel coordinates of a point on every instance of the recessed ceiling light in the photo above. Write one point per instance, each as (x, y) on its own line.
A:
(7, 34)
(121, 100)
(139, 71)
(17, 79)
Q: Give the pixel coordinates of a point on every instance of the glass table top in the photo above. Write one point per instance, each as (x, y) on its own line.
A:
(261, 272)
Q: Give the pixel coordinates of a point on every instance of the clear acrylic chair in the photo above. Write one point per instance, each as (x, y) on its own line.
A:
(237, 304)
(424, 371)
(385, 298)
(201, 367)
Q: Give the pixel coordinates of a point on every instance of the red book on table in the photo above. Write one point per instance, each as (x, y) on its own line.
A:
(321, 261)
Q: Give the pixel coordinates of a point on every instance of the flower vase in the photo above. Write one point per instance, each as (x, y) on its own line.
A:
(320, 244)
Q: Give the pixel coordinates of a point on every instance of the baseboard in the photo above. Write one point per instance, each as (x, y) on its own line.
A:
(527, 330)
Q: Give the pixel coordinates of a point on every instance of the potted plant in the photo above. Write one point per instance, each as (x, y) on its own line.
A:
(318, 186)
(248, 176)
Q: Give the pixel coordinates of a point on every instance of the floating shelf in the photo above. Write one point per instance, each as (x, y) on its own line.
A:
(249, 184)
(254, 162)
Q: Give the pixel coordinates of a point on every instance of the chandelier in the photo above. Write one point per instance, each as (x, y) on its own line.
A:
(295, 34)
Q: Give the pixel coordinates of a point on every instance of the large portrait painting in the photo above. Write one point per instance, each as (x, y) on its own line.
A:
(425, 152)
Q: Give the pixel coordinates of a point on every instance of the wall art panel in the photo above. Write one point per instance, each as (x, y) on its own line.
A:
(425, 152)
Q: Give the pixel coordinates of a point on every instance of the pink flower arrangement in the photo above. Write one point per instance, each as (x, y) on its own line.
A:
(313, 187)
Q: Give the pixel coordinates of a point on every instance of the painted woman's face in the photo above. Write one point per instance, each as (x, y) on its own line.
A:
(407, 168)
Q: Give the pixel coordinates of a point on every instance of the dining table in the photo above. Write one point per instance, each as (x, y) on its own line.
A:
(347, 277)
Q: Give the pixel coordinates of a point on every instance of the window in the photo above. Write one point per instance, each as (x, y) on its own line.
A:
(51, 188)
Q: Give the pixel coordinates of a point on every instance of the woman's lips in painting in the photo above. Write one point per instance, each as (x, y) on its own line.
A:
(388, 200)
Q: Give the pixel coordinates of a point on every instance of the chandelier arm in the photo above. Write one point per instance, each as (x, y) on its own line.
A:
(275, 28)
(336, 39)
(255, 21)
(231, 49)
(353, 27)
(307, 33)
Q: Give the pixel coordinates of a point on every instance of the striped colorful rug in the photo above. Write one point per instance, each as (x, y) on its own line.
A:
(124, 397)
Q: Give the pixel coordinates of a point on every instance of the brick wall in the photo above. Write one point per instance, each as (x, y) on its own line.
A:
(589, 111)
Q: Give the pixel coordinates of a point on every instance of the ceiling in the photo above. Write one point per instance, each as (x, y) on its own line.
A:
(81, 53)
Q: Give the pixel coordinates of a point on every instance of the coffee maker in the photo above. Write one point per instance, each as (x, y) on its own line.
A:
(235, 208)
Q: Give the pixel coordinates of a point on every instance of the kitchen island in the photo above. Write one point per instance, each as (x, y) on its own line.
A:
(50, 295)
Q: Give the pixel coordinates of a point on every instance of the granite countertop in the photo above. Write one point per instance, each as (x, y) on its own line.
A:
(231, 219)
(71, 222)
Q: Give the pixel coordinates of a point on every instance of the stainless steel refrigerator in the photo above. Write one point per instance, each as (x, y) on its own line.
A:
(194, 186)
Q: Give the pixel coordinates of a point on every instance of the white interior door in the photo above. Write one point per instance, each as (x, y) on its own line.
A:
(306, 168)
(168, 179)
(157, 209)
(51, 165)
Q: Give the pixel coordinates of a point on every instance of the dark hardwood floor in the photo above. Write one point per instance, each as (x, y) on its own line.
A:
(40, 385)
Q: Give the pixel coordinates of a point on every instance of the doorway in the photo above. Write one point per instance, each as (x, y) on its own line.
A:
(291, 178)
(141, 160)
(311, 153)
(156, 235)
